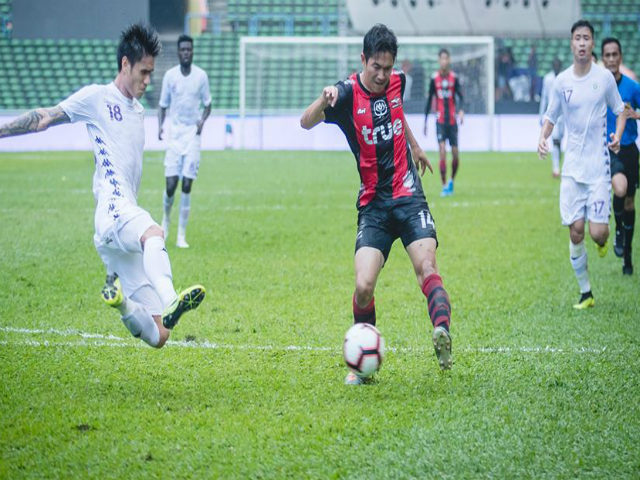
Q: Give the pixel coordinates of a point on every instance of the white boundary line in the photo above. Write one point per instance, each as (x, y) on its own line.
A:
(100, 340)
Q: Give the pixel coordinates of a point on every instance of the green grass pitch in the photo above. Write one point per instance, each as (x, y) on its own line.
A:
(252, 385)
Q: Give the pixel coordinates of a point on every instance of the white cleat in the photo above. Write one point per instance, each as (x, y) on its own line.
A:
(182, 243)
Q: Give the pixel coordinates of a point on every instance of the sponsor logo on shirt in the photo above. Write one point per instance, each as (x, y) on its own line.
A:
(362, 111)
(386, 132)
(395, 103)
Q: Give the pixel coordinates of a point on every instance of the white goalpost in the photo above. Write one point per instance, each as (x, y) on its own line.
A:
(282, 75)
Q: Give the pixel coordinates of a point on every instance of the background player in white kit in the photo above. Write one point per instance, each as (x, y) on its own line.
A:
(581, 94)
(184, 88)
(558, 128)
(131, 245)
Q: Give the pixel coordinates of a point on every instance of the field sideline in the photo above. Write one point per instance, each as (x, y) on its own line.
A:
(251, 384)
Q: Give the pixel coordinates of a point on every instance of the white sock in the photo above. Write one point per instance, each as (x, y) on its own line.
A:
(140, 323)
(185, 207)
(578, 256)
(555, 157)
(167, 203)
(158, 269)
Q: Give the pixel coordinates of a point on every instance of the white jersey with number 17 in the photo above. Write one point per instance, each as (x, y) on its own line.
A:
(583, 102)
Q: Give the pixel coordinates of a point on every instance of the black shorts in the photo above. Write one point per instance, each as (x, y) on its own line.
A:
(626, 162)
(379, 227)
(447, 132)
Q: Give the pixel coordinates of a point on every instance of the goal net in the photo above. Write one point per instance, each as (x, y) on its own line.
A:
(282, 75)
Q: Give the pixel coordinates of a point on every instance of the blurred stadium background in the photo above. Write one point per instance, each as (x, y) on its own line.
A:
(47, 54)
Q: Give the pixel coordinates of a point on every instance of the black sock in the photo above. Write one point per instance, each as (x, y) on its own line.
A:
(629, 220)
(585, 295)
(618, 209)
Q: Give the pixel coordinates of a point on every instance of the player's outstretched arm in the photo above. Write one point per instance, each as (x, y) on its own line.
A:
(314, 114)
(543, 146)
(34, 121)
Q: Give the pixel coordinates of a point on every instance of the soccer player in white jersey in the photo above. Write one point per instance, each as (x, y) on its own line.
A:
(558, 128)
(184, 88)
(139, 280)
(581, 95)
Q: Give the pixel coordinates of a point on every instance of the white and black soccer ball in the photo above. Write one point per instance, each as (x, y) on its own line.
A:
(363, 349)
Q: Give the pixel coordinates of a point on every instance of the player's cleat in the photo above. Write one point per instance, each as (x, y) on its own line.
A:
(353, 379)
(450, 187)
(186, 300)
(586, 301)
(555, 174)
(112, 291)
(618, 244)
(442, 345)
(602, 250)
(182, 243)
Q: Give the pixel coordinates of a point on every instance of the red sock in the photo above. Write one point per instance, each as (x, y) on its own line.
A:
(437, 301)
(366, 314)
(443, 171)
(454, 167)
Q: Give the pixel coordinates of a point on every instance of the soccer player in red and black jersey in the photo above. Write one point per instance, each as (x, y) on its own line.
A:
(391, 204)
(445, 87)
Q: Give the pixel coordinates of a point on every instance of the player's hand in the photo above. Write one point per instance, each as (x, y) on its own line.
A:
(543, 148)
(614, 144)
(422, 162)
(630, 112)
(461, 117)
(330, 95)
(160, 131)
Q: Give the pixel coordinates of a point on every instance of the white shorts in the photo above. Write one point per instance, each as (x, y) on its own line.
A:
(584, 201)
(183, 152)
(118, 244)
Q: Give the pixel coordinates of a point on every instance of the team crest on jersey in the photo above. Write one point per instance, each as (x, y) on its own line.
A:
(395, 103)
(567, 95)
(380, 108)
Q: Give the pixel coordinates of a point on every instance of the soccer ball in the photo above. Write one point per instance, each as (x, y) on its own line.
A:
(363, 349)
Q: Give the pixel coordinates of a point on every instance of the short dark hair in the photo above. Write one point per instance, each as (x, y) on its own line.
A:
(582, 23)
(136, 41)
(184, 38)
(609, 40)
(443, 50)
(379, 39)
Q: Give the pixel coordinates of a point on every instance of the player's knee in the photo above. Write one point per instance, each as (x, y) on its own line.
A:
(576, 235)
(427, 267)
(172, 184)
(152, 231)
(186, 185)
(364, 290)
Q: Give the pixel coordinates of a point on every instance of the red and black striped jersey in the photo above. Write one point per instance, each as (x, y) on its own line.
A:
(444, 88)
(375, 129)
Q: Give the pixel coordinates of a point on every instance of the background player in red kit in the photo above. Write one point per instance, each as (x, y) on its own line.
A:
(445, 86)
(368, 109)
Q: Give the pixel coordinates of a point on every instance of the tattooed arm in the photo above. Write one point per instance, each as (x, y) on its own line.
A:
(34, 121)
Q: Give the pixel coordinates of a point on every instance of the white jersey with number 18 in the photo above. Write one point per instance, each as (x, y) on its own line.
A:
(116, 129)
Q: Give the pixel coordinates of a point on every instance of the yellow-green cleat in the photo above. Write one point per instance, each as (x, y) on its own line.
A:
(586, 301)
(442, 344)
(602, 250)
(111, 293)
(188, 299)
